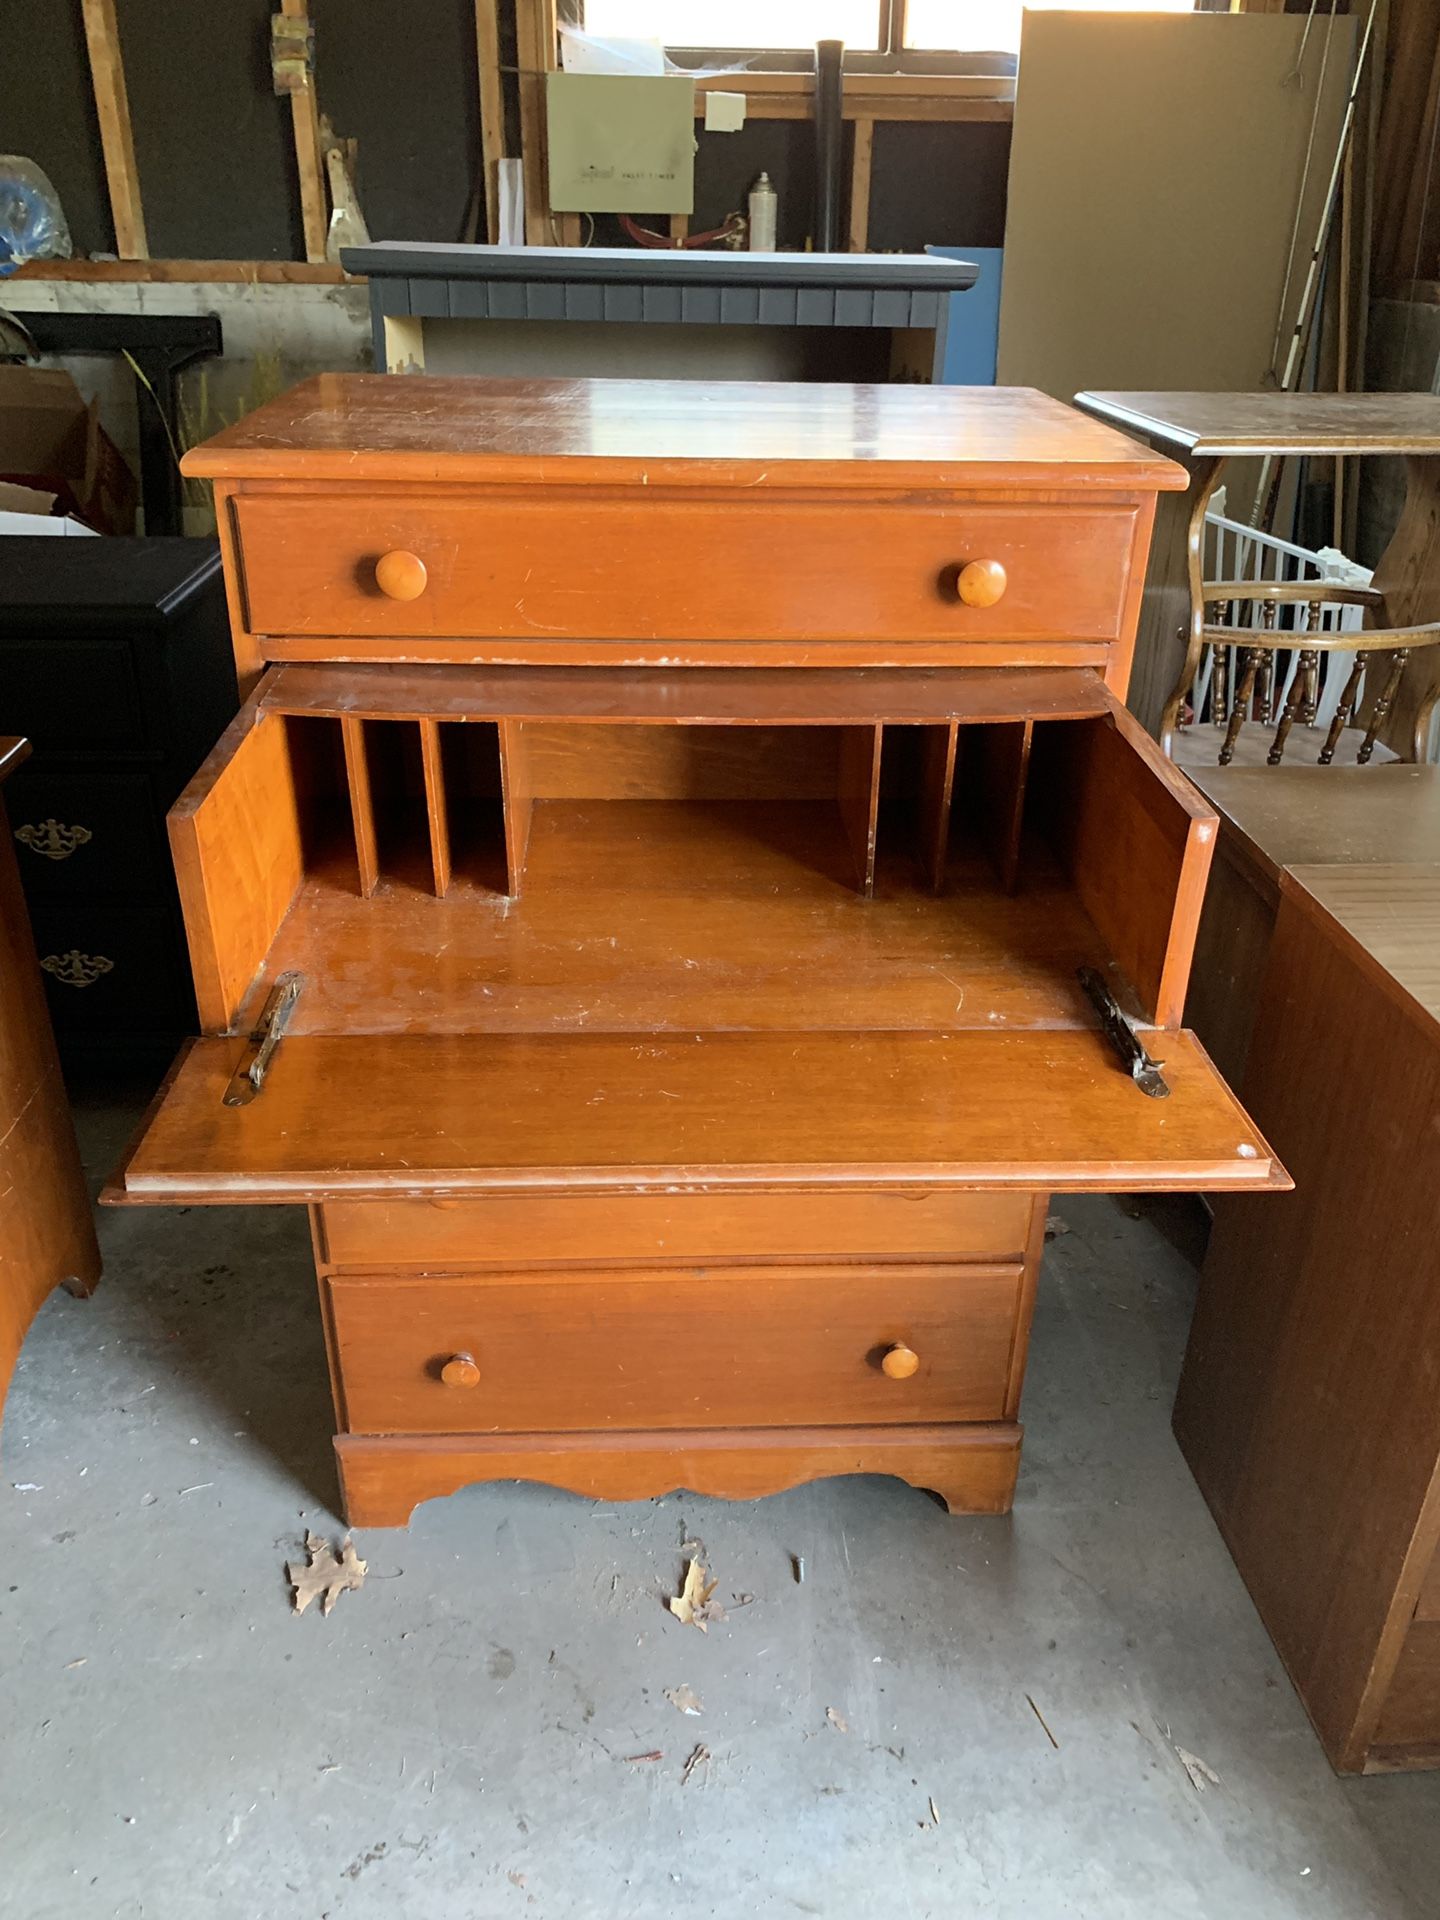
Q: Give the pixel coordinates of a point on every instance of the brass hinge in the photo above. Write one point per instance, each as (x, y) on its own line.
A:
(1143, 1070)
(264, 1039)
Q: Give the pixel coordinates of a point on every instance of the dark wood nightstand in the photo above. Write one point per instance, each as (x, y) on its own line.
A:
(115, 661)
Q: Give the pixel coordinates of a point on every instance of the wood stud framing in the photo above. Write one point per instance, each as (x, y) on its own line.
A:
(492, 110)
(308, 161)
(112, 107)
(769, 96)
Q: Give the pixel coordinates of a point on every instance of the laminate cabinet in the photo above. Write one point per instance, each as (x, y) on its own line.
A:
(1307, 1407)
(660, 908)
(47, 1234)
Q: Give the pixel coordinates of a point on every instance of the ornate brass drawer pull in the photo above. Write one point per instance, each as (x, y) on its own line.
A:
(52, 841)
(77, 969)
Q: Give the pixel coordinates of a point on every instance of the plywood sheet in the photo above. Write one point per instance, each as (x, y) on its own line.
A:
(1154, 177)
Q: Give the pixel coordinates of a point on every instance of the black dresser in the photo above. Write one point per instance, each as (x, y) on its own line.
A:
(115, 661)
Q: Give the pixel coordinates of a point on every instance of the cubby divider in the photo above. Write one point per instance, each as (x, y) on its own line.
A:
(362, 806)
(939, 757)
(858, 793)
(437, 806)
(517, 793)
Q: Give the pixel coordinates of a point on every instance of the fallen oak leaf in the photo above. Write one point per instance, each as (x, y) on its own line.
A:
(695, 1605)
(685, 1699)
(326, 1574)
(1196, 1770)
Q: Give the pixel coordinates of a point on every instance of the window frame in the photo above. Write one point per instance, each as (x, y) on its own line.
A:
(891, 55)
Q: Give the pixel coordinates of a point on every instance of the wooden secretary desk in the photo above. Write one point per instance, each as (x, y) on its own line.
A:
(681, 892)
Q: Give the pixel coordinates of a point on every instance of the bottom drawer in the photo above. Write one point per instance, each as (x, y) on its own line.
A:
(683, 1347)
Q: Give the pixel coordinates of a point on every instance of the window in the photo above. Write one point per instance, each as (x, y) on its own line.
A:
(885, 28)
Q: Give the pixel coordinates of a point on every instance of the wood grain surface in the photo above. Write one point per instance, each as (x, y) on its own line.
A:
(595, 567)
(1206, 424)
(580, 1350)
(1307, 1407)
(972, 1468)
(385, 1115)
(359, 427)
(695, 696)
(444, 1233)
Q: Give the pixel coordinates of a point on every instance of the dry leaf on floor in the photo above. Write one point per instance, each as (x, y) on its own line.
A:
(684, 1698)
(837, 1720)
(327, 1574)
(697, 1758)
(1200, 1775)
(694, 1605)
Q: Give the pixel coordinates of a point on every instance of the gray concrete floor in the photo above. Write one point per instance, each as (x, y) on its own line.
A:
(456, 1739)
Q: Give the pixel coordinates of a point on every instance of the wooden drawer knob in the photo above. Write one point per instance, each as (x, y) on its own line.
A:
(401, 575)
(980, 583)
(899, 1362)
(460, 1370)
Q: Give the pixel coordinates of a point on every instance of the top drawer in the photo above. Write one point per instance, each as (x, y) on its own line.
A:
(617, 568)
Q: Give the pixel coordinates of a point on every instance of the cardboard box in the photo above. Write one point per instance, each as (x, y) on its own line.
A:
(51, 440)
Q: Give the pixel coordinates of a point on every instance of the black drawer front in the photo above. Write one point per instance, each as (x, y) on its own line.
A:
(85, 836)
(78, 696)
(113, 970)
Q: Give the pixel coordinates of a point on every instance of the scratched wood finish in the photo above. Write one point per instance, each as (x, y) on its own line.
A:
(1132, 831)
(971, 1466)
(582, 1351)
(1307, 1406)
(364, 427)
(592, 568)
(385, 1115)
(236, 842)
(47, 1236)
(675, 916)
(663, 524)
(441, 1232)
(658, 897)
(696, 696)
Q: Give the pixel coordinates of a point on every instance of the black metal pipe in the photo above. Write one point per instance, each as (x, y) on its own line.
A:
(828, 123)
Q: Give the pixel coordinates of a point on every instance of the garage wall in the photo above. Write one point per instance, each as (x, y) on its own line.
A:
(216, 159)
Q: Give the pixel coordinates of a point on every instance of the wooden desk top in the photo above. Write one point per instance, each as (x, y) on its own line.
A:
(12, 751)
(1391, 915)
(1327, 816)
(1207, 424)
(364, 427)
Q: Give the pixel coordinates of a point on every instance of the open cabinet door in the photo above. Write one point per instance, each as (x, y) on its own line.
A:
(384, 1115)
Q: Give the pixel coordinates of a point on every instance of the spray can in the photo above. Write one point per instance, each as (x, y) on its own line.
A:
(763, 209)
